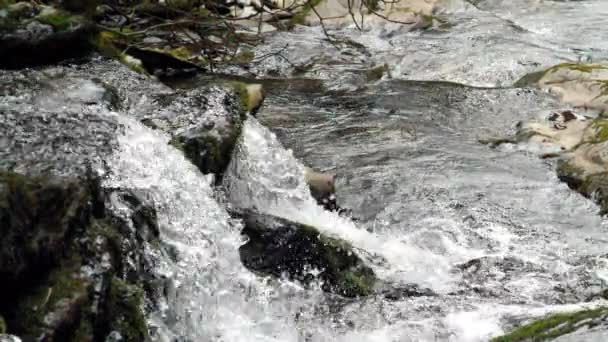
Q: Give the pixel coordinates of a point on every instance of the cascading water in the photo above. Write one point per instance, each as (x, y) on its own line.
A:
(212, 297)
(492, 232)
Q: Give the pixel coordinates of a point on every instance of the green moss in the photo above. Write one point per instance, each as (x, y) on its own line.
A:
(356, 283)
(84, 331)
(242, 93)
(353, 278)
(6, 3)
(373, 5)
(206, 151)
(376, 73)
(601, 130)
(300, 17)
(124, 309)
(60, 20)
(587, 68)
(3, 328)
(64, 282)
(132, 63)
(244, 57)
(552, 326)
(529, 79)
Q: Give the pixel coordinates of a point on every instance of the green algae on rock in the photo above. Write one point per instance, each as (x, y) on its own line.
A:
(278, 246)
(555, 325)
(53, 233)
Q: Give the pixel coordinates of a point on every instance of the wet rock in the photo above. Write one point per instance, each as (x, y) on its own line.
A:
(563, 129)
(39, 216)
(33, 35)
(205, 123)
(580, 85)
(9, 338)
(582, 143)
(74, 258)
(54, 125)
(321, 186)
(60, 259)
(280, 247)
(554, 326)
(399, 292)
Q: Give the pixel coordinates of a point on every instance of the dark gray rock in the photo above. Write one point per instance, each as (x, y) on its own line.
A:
(205, 123)
(278, 246)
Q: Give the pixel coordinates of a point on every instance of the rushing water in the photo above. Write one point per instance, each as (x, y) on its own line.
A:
(491, 231)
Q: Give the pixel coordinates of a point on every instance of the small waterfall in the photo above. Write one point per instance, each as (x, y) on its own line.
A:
(212, 297)
(265, 176)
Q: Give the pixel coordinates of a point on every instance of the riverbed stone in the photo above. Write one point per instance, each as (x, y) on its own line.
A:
(280, 247)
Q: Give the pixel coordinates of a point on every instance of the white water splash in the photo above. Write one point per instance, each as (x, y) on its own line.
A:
(214, 298)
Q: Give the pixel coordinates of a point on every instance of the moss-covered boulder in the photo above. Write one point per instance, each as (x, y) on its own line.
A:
(280, 247)
(557, 325)
(32, 34)
(67, 262)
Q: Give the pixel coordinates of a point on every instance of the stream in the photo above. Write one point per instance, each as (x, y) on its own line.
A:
(397, 115)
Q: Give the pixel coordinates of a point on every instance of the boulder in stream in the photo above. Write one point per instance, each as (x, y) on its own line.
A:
(205, 122)
(74, 258)
(280, 247)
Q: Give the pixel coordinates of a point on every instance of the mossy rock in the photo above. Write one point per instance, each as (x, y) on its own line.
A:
(251, 96)
(376, 73)
(300, 17)
(205, 150)
(535, 77)
(49, 37)
(600, 127)
(124, 311)
(556, 325)
(278, 246)
(52, 228)
(54, 308)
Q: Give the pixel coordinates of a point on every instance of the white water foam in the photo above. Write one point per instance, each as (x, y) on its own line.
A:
(214, 297)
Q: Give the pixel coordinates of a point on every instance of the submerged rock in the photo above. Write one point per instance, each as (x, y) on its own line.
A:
(558, 325)
(280, 247)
